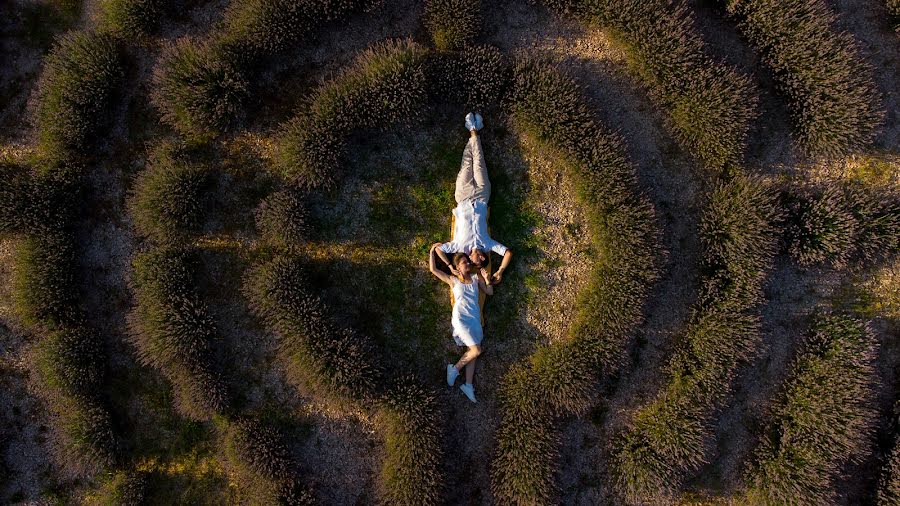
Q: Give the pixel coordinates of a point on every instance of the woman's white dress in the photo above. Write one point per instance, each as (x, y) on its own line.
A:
(466, 319)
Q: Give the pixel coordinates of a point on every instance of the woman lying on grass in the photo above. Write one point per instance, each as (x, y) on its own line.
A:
(466, 318)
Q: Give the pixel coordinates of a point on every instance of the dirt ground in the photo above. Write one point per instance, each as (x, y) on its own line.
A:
(399, 304)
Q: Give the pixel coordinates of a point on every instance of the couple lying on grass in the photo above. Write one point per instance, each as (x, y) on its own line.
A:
(469, 267)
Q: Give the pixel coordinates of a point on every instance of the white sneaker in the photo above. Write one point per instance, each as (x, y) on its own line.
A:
(471, 122)
(469, 390)
(452, 373)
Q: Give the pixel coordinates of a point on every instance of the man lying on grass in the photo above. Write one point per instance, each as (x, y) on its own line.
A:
(470, 246)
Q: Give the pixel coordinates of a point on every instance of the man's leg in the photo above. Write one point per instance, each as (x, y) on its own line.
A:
(465, 182)
(479, 170)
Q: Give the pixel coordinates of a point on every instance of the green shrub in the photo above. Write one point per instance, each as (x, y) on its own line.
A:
(81, 76)
(71, 368)
(199, 89)
(477, 77)
(412, 470)
(130, 19)
(666, 439)
(45, 291)
(823, 419)
(452, 23)
(126, 488)
(889, 484)
(256, 29)
(173, 331)
(710, 106)
(840, 224)
(281, 218)
(263, 460)
(71, 363)
(560, 379)
(334, 362)
(171, 199)
(387, 83)
(835, 103)
(524, 464)
(84, 438)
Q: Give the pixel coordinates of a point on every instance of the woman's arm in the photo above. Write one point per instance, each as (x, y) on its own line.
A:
(483, 284)
(432, 266)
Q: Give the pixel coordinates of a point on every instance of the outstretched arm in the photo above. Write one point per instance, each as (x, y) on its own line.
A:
(498, 276)
(432, 266)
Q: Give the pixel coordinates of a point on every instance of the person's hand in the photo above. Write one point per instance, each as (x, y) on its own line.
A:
(436, 246)
(453, 270)
(486, 274)
(497, 278)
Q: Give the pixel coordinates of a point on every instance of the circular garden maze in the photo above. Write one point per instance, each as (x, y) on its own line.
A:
(215, 232)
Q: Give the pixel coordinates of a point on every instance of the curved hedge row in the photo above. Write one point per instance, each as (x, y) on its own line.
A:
(666, 439)
(201, 86)
(71, 366)
(841, 224)
(174, 333)
(825, 416)
(836, 103)
(76, 89)
(558, 380)
(709, 105)
(386, 83)
(340, 365)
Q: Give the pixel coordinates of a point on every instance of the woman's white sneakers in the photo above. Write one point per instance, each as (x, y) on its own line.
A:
(469, 390)
(452, 373)
(474, 121)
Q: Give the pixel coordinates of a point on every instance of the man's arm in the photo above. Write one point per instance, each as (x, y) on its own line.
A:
(433, 267)
(437, 247)
(498, 275)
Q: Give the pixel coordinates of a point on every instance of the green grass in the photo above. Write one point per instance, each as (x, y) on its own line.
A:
(823, 418)
(836, 107)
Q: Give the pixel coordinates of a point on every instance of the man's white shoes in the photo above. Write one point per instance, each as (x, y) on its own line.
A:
(474, 121)
(469, 390)
(452, 373)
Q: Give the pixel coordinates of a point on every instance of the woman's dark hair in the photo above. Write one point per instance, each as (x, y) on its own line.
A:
(457, 257)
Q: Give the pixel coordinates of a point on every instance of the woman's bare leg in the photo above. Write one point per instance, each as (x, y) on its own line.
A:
(469, 356)
(470, 371)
